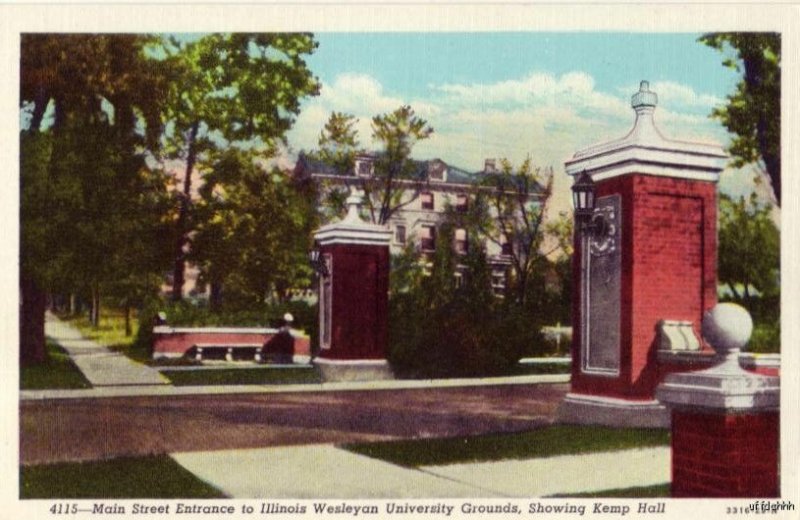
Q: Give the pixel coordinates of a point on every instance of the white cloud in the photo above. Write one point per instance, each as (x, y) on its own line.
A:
(545, 116)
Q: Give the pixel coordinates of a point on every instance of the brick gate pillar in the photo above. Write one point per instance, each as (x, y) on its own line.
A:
(725, 420)
(354, 298)
(653, 265)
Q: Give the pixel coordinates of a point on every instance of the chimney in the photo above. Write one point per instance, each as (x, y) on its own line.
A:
(489, 166)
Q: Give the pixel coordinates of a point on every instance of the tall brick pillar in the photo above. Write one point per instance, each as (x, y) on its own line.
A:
(725, 420)
(654, 263)
(354, 298)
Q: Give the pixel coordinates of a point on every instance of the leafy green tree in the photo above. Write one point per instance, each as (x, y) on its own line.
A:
(753, 111)
(253, 231)
(239, 90)
(512, 211)
(79, 169)
(749, 248)
(393, 183)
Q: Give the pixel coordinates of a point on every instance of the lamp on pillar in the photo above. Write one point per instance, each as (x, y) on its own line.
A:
(584, 198)
(317, 262)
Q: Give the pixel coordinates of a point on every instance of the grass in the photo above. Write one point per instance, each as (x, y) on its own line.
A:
(58, 372)
(111, 333)
(657, 491)
(243, 376)
(545, 442)
(135, 477)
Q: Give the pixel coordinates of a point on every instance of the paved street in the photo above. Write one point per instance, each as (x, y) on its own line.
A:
(90, 429)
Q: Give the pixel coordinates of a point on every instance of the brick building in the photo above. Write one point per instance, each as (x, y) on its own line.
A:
(431, 188)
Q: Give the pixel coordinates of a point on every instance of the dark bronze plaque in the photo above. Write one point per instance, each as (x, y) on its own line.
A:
(601, 291)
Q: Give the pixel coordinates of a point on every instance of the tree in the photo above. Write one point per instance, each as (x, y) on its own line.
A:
(511, 211)
(79, 170)
(753, 111)
(395, 181)
(253, 231)
(749, 248)
(238, 90)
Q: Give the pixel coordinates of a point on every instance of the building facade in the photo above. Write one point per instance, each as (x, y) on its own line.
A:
(433, 188)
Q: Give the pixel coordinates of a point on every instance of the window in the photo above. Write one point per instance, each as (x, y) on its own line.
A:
(400, 234)
(461, 241)
(498, 283)
(506, 249)
(437, 170)
(427, 237)
(462, 203)
(427, 200)
(363, 167)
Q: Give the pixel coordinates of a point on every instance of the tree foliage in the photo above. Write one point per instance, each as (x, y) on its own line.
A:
(253, 231)
(753, 111)
(393, 183)
(90, 107)
(749, 248)
(240, 90)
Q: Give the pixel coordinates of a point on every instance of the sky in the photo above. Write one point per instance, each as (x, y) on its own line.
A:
(519, 94)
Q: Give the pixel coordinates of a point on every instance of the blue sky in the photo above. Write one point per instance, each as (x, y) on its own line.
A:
(514, 94)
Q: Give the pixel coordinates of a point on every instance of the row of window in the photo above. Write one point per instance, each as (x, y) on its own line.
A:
(427, 201)
(427, 239)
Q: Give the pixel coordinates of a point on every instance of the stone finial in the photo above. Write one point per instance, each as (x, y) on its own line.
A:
(353, 205)
(727, 328)
(645, 97)
(726, 385)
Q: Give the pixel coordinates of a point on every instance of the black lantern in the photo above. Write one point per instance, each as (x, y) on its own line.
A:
(583, 198)
(317, 262)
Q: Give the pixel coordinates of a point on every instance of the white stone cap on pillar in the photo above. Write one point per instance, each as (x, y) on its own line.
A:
(725, 387)
(353, 229)
(645, 151)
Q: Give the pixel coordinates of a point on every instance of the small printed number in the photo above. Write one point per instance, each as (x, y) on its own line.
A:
(64, 509)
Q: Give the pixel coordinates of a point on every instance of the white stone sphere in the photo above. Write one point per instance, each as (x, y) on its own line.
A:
(727, 327)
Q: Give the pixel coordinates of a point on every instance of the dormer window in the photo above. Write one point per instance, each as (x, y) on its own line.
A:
(364, 166)
(426, 200)
(437, 170)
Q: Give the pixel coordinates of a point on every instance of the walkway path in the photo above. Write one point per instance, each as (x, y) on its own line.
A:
(325, 471)
(101, 366)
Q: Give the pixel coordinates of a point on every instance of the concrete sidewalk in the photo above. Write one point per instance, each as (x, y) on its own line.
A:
(100, 365)
(325, 471)
(397, 384)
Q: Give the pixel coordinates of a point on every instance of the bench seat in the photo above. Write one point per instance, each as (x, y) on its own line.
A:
(229, 348)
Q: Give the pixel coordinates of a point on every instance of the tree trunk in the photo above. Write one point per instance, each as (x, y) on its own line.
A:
(183, 216)
(128, 330)
(32, 347)
(215, 296)
(94, 316)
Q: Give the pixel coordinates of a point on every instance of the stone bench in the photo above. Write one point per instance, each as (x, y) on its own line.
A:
(177, 342)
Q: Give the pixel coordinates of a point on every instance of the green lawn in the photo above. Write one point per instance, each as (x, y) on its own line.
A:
(243, 376)
(135, 477)
(544, 442)
(111, 333)
(58, 372)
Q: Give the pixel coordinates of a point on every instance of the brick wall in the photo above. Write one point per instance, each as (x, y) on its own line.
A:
(360, 286)
(668, 240)
(176, 342)
(725, 455)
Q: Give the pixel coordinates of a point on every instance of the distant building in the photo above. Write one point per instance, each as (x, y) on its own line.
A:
(432, 187)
